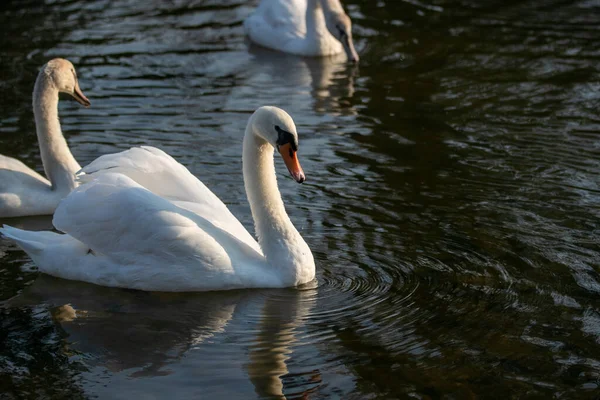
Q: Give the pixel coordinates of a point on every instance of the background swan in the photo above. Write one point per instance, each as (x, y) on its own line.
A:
(22, 190)
(124, 235)
(303, 27)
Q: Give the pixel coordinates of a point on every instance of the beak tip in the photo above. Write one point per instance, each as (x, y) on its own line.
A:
(350, 51)
(80, 97)
(299, 176)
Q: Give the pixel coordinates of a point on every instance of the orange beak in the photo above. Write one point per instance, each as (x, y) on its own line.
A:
(291, 162)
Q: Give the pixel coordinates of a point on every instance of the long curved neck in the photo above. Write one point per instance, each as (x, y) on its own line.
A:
(318, 38)
(59, 164)
(315, 20)
(279, 240)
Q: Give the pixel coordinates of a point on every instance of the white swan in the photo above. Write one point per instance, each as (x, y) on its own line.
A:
(22, 190)
(176, 235)
(303, 27)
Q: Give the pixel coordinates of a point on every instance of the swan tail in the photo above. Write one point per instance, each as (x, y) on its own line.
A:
(53, 253)
(33, 243)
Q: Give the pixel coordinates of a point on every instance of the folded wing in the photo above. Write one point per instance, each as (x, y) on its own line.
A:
(162, 175)
(119, 219)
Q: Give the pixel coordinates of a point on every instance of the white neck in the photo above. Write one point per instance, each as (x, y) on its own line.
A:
(318, 39)
(282, 245)
(315, 20)
(330, 6)
(59, 164)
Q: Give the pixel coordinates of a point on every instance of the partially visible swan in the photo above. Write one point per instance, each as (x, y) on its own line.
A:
(22, 190)
(303, 27)
(181, 237)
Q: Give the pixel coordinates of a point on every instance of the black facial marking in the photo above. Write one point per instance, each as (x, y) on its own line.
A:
(284, 137)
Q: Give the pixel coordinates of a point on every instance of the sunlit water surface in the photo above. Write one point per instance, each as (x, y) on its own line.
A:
(452, 202)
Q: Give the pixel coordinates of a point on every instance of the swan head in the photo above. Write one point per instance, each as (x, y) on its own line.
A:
(276, 127)
(62, 75)
(340, 26)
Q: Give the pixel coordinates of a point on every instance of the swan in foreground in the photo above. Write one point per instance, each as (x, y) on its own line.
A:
(303, 27)
(142, 221)
(22, 190)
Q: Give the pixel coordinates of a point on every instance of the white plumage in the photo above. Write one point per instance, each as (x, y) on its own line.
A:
(22, 190)
(143, 221)
(303, 27)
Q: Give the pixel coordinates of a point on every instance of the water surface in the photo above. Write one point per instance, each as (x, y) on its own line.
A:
(452, 202)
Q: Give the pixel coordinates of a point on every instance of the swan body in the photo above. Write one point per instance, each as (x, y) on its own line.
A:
(142, 221)
(303, 27)
(22, 190)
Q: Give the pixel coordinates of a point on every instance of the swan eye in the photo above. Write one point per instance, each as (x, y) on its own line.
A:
(284, 137)
(341, 30)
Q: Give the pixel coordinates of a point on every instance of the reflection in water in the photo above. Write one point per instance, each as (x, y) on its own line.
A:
(330, 80)
(141, 334)
(283, 316)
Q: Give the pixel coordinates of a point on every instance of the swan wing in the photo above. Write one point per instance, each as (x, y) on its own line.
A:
(137, 239)
(155, 170)
(161, 174)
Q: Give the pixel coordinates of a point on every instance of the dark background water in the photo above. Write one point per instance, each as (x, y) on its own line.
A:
(452, 202)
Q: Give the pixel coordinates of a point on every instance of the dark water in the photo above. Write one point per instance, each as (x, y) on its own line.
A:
(452, 202)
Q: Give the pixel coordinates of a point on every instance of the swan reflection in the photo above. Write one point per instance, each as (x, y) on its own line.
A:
(284, 79)
(194, 338)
